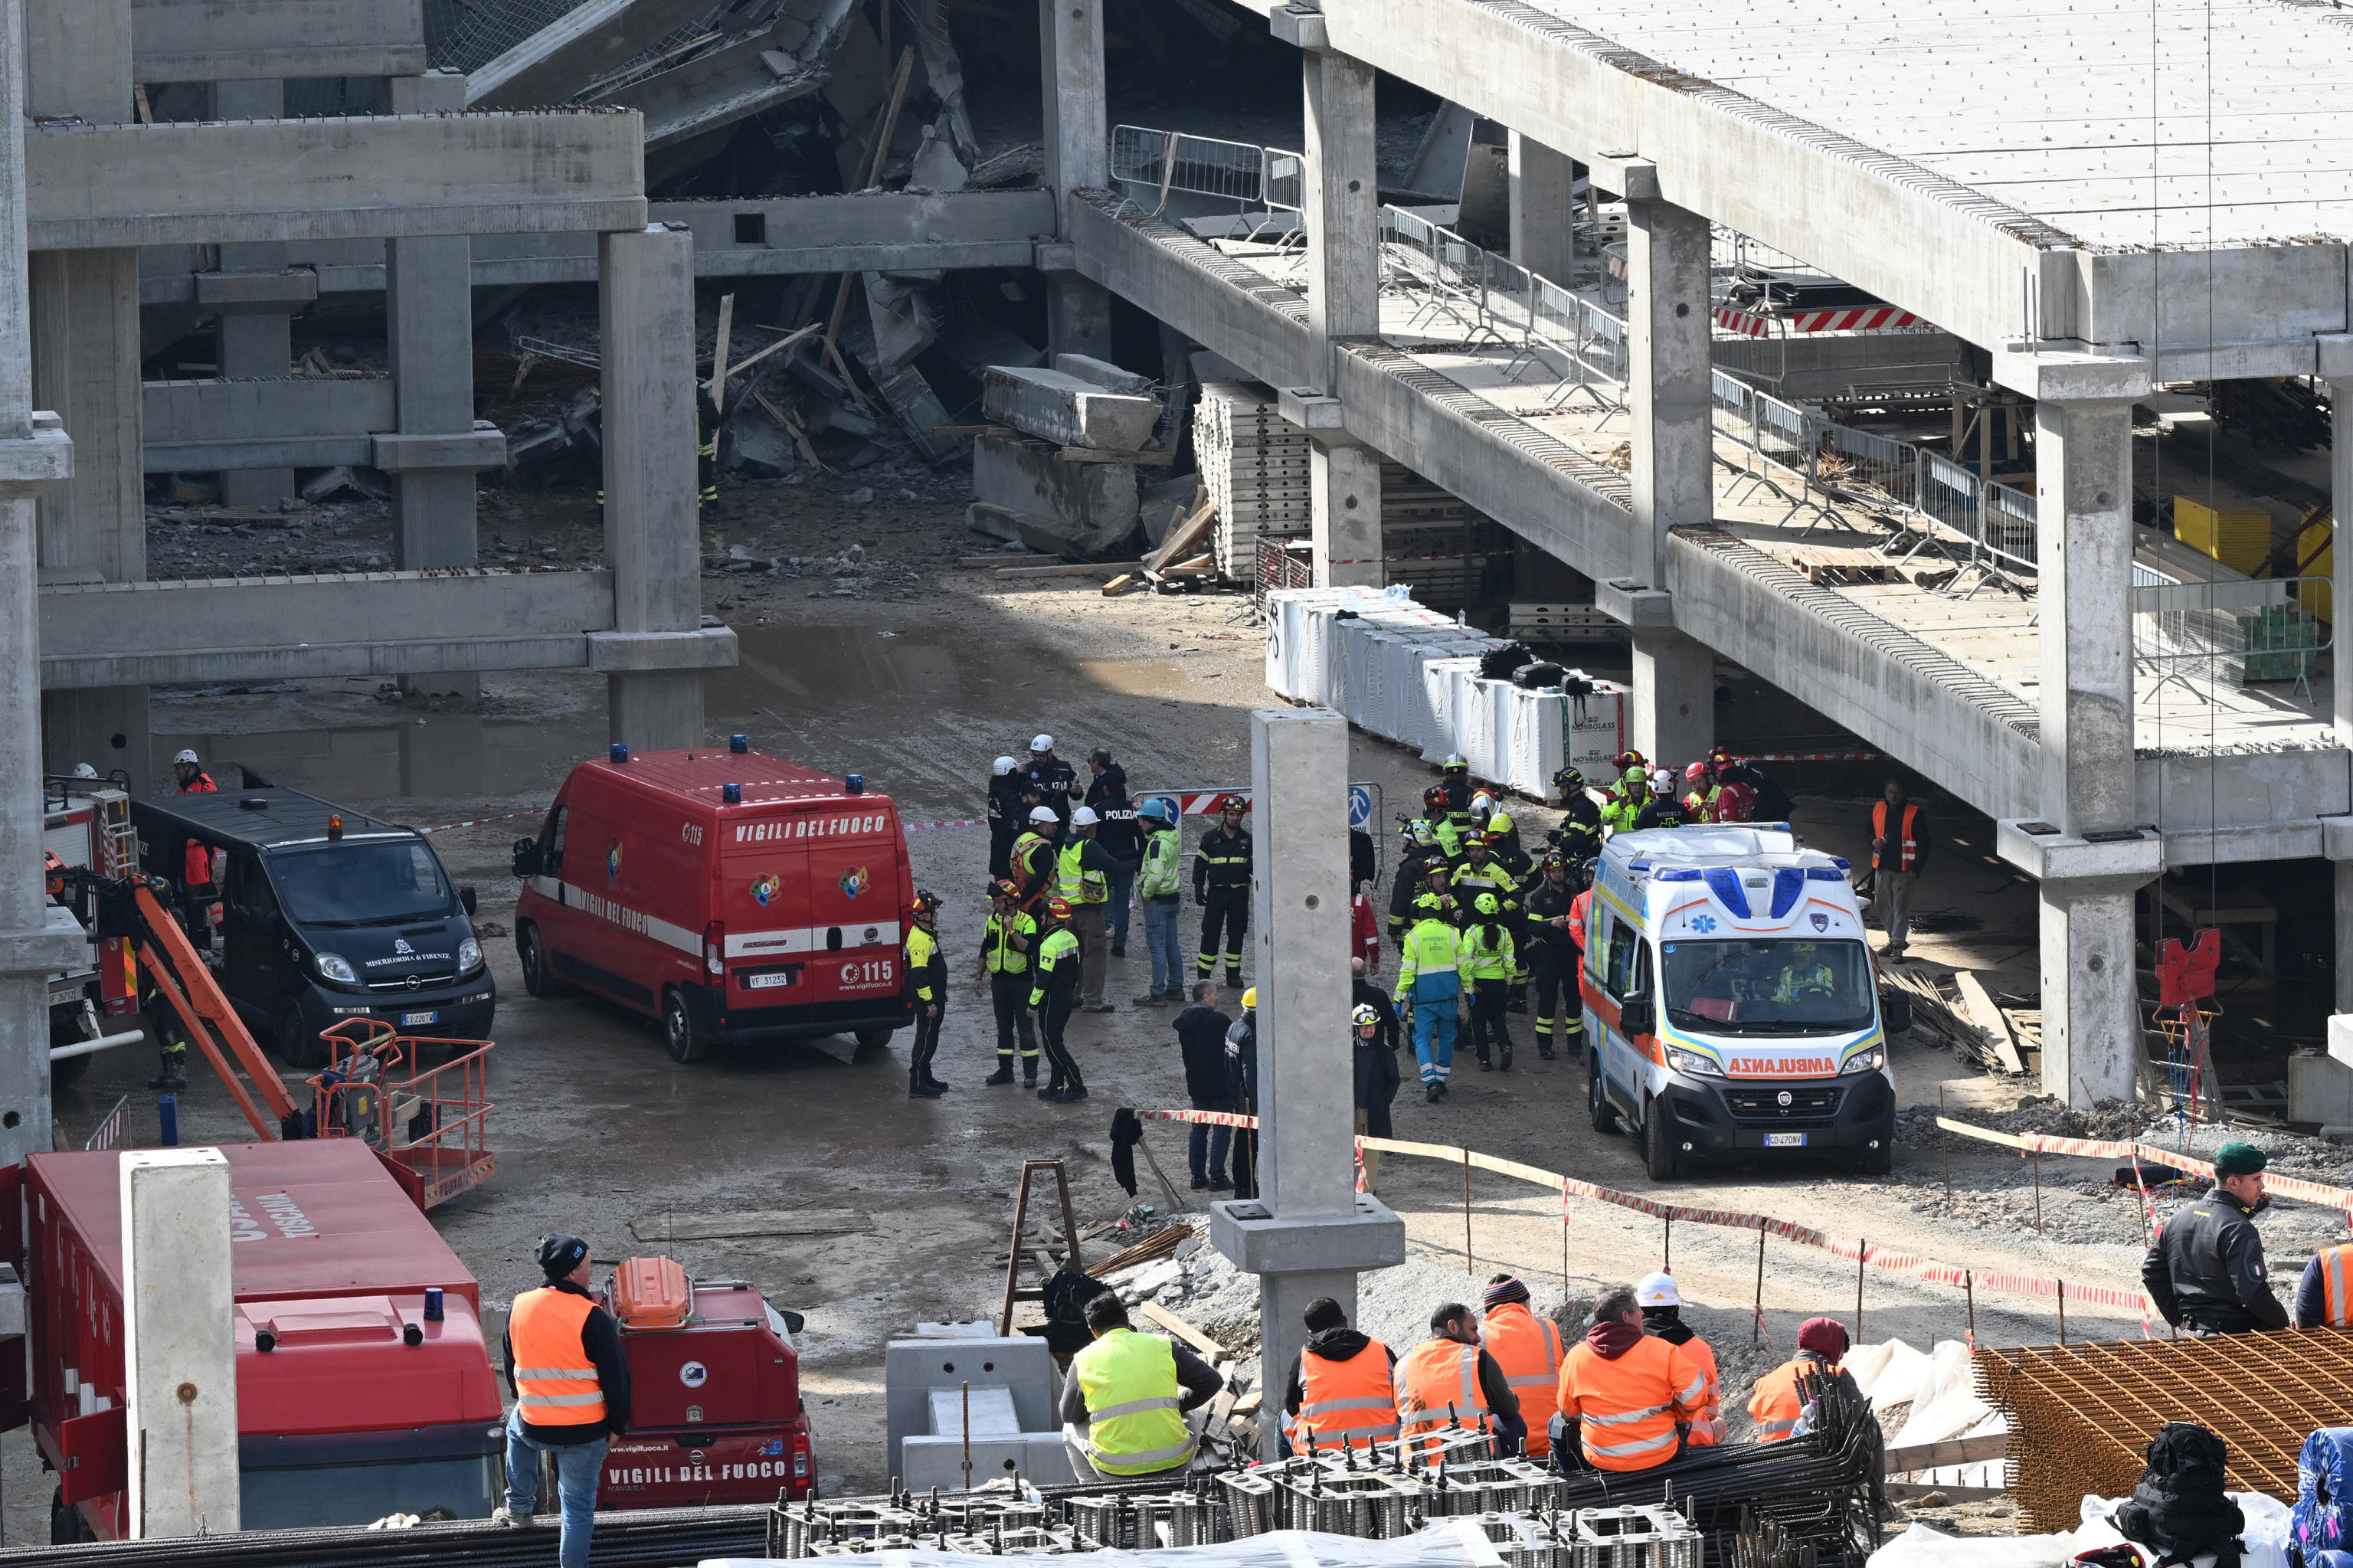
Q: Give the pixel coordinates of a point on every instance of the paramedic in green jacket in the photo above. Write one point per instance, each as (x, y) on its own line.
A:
(1429, 979)
(1160, 889)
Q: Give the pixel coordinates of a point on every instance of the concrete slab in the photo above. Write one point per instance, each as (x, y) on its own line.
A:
(273, 40)
(1058, 407)
(1085, 507)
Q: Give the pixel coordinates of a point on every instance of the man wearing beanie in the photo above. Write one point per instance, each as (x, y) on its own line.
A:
(1341, 1393)
(1628, 1397)
(2205, 1269)
(1779, 1399)
(1663, 1317)
(572, 1391)
(1529, 1349)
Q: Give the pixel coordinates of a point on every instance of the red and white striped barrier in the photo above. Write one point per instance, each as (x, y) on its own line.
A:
(928, 827)
(2338, 1198)
(481, 821)
(1845, 318)
(1815, 757)
(2130, 1299)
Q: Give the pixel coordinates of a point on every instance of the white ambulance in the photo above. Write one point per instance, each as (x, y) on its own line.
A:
(1732, 1006)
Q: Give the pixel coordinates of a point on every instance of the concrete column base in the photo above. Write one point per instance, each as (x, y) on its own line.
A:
(1078, 316)
(1346, 517)
(1282, 1301)
(86, 723)
(655, 710)
(1675, 698)
(2091, 1044)
(435, 510)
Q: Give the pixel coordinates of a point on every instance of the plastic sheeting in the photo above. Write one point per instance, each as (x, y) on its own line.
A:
(1445, 1543)
(1407, 673)
(2265, 1539)
(1944, 1401)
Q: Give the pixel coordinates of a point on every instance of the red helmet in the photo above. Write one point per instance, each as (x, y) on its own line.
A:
(1434, 795)
(1718, 756)
(1630, 757)
(924, 903)
(1004, 887)
(1059, 908)
(1696, 774)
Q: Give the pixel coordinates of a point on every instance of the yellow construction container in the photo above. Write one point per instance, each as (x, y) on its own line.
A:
(2315, 555)
(2239, 538)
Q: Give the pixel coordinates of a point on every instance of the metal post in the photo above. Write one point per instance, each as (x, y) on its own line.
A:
(2036, 1155)
(966, 1392)
(2063, 1312)
(1667, 1248)
(1862, 1251)
(1757, 1328)
(1970, 1287)
(1466, 1211)
(1945, 1142)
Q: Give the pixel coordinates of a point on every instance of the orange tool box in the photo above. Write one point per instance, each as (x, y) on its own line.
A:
(651, 1293)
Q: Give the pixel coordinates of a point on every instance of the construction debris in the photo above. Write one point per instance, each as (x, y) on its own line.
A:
(1258, 468)
(1062, 407)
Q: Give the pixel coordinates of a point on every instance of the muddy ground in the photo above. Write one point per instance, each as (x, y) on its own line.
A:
(888, 660)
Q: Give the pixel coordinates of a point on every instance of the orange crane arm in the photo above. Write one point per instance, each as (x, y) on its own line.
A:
(202, 1003)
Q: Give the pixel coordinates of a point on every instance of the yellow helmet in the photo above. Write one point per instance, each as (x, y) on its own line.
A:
(1249, 999)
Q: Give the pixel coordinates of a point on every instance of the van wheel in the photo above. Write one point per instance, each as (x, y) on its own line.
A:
(869, 1038)
(531, 952)
(297, 1047)
(1597, 1098)
(686, 1047)
(1877, 1162)
(1659, 1155)
(66, 1527)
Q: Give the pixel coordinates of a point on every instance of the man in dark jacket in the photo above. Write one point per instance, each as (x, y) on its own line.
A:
(1007, 812)
(574, 1380)
(1331, 1338)
(1202, 1037)
(1121, 838)
(1221, 886)
(1376, 1082)
(1367, 994)
(1241, 1073)
(1057, 780)
(2205, 1270)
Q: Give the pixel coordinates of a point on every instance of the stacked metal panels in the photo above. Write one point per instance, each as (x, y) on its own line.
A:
(1257, 468)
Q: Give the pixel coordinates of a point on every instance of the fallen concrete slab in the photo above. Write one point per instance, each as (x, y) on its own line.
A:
(1063, 408)
(1108, 376)
(1076, 509)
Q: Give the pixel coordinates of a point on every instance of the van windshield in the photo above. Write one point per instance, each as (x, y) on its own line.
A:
(1776, 986)
(361, 884)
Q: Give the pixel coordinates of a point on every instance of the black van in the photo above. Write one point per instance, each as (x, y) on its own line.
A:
(326, 915)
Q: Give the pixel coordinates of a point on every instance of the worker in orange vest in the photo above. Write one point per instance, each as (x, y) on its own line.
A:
(1529, 1349)
(1628, 1394)
(1662, 1318)
(2323, 1300)
(1340, 1393)
(1899, 853)
(1448, 1381)
(1778, 1401)
(571, 1386)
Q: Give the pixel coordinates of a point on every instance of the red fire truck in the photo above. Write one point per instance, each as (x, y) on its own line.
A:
(733, 895)
(354, 1401)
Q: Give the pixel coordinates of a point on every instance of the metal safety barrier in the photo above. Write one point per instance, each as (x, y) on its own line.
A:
(2227, 633)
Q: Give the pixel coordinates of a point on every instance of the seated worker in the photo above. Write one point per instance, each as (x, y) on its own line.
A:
(1123, 1404)
(1626, 1397)
(1448, 1380)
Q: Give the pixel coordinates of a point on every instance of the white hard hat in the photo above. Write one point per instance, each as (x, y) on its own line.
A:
(1084, 816)
(1043, 814)
(1003, 766)
(1662, 781)
(1657, 1290)
(1482, 801)
(185, 755)
(84, 771)
(1041, 743)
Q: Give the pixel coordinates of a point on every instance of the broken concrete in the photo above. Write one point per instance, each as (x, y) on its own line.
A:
(1110, 378)
(1056, 407)
(1080, 509)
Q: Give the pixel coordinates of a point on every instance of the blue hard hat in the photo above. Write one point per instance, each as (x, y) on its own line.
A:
(1155, 808)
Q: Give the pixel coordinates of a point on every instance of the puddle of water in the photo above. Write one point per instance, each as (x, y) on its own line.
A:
(431, 754)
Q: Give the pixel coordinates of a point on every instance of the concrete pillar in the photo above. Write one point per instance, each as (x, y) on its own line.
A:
(429, 322)
(179, 1343)
(2339, 362)
(1341, 191)
(1309, 1232)
(1673, 452)
(1078, 157)
(2091, 1014)
(84, 319)
(1345, 516)
(652, 536)
(254, 339)
(1544, 209)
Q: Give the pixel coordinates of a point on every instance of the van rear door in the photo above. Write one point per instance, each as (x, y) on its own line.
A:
(857, 883)
(764, 900)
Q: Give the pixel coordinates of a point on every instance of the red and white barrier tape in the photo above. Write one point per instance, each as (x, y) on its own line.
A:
(2338, 1198)
(959, 822)
(2129, 1298)
(481, 821)
(1814, 757)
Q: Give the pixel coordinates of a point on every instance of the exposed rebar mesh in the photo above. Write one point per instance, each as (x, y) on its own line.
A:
(2080, 1415)
(464, 34)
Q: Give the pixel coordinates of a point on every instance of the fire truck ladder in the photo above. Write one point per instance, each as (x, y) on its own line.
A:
(128, 908)
(1038, 1249)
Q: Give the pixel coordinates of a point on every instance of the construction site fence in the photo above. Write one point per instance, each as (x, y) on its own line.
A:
(2260, 629)
(2145, 1154)
(1264, 179)
(1854, 1250)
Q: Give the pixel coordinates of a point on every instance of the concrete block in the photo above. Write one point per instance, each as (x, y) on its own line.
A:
(2064, 857)
(1100, 373)
(179, 1343)
(1312, 410)
(1088, 507)
(2333, 355)
(1054, 256)
(1301, 27)
(1629, 174)
(1631, 604)
(227, 291)
(61, 944)
(1256, 1242)
(437, 91)
(485, 446)
(1058, 407)
(912, 1369)
(274, 40)
(1039, 1458)
(2340, 1037)
(42, 458)
(706, 648)
(2055, 376)
(2336, 837)
(2320, 1085)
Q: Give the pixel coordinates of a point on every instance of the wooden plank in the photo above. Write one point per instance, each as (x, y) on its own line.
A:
(1984, 1446)
(1120, 584)
(1068, 568)
(1185, 537)
(1183, 1330)
(1002, 558)
(1987, 1017)
(658, 1228)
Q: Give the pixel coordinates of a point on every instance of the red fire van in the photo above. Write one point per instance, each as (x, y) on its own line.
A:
(733, 895)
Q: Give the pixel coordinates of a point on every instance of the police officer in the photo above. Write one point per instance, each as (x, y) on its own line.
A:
(1053, 989)
(571, 1384)
(1057, 780)
(1553, 958)
(927, 978)
(1121, 837)
(2205, 1270)
(1007, 938)
(1221, 886)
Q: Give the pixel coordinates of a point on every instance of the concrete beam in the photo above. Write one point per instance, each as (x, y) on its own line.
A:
(179, 412)
(1058, 407)
(358, 623)
(272, 40)
(1218, 303)
(90, 186)
(2190, 792)
(733, 82)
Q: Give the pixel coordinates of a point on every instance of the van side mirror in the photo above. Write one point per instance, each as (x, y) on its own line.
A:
(466, 895)
(1637, 1015)
(1895, 1011)
(792, 1321)
(526, 861)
